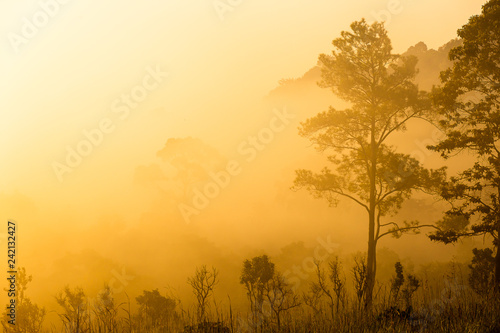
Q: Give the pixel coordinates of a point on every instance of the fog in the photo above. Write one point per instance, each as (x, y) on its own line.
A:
(197, 168)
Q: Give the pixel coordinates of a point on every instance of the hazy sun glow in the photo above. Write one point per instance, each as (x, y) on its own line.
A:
(94, 96)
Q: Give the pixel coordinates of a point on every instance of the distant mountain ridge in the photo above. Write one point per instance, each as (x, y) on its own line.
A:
(430, 63)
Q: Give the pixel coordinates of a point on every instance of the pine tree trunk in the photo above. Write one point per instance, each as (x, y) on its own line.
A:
(497, 271)
(370, 260)
(497, 258)
(370, 270)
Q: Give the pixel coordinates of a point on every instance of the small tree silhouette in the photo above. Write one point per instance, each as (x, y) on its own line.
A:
(256, 273)
(106, 311)
(403, 288)
(331, 285)
(411, 286)
(29, 316)
(481, 278)
(359, 273)
(155, 310)
(203, 283)
(75, 313)
(280, 296)
(397, 282)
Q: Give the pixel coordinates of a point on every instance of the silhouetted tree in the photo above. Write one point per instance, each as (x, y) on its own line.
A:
(75, 316)
(410, 287)
(29, 316)
(330, 284)
(203, 283)
(313, 298)
(337, 279)
(403, 288)
(280, 296)
(482, 276)
(379, 85)
(155, 311)
(469, 103)
(255, 275)
(359, 274)
(106, 312)
(397, 282)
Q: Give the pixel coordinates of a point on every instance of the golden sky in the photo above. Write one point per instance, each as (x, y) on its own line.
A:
(65, 77)
(197, 68)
